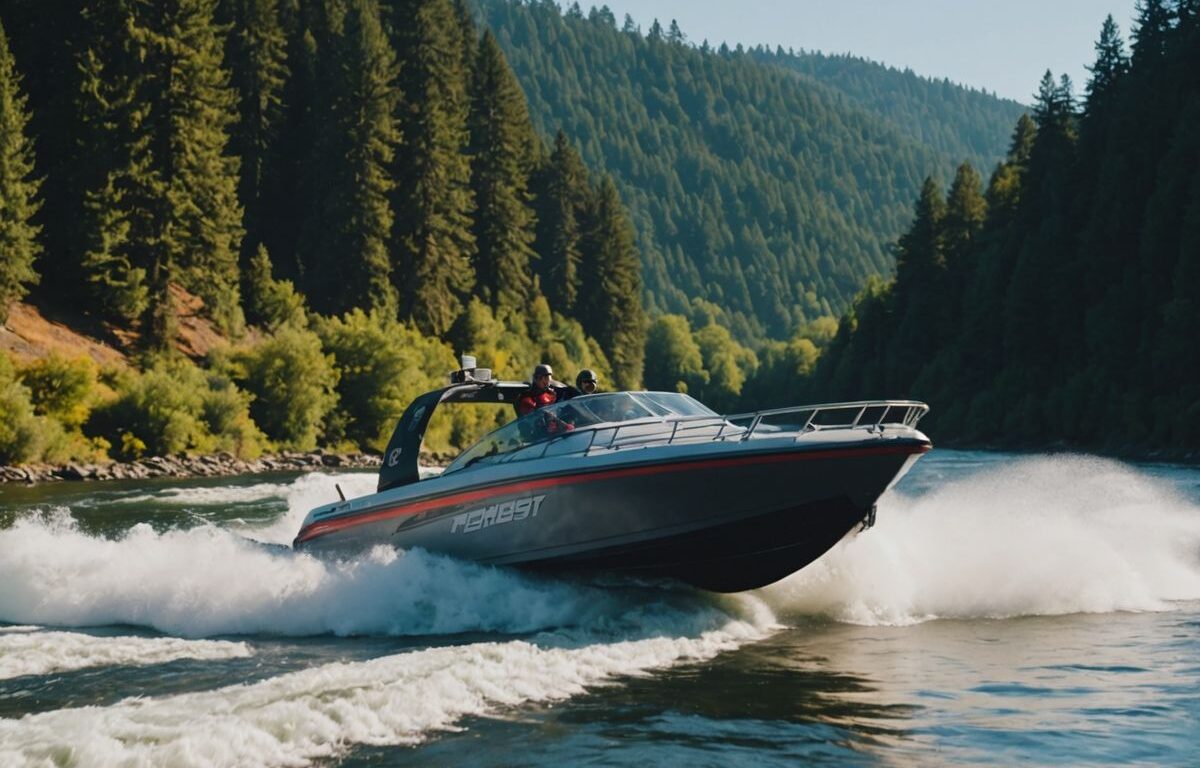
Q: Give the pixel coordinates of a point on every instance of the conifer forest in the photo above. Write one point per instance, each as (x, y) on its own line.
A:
(347, 193)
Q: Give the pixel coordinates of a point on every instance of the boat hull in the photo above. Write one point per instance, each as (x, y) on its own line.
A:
(728, 520)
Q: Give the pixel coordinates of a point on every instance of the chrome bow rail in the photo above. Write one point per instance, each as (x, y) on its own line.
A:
(872, 416)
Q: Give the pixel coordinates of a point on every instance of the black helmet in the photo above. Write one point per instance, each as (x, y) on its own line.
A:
(587, 374)
(542, 370)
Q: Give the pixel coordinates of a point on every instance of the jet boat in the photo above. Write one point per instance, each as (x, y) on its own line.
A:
(644, 484)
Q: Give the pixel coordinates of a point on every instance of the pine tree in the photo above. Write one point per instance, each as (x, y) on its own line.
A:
(917, 296)
(1110, 66)
(562, 196)
(289, 188)
(256, 53)
(344, 249)
(19, 244)
(1150, 33)
(44, 38)
(166, 210)
(611, 280)
(432, 240)
(966, 211)
(116, 169)
(501, 148)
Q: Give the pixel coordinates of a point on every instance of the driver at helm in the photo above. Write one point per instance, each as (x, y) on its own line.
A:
(543, 390)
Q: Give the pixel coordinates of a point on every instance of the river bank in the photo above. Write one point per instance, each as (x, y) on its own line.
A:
(216, 465)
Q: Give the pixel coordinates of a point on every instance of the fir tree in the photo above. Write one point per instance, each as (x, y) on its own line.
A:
(256, 53)
(432, 240)
(167, 207)
(1110, 66)
(612, 287)
(562, 195)
(44, 38)
(918, 291)
(1151, 30)
(966, 211)
(19, 244)
(501, 157)
(344, 248)
(116, 169)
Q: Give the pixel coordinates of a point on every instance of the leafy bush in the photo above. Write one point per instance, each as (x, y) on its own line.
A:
(673, 359)
(22, 434)
(175, 407)
(382, 365)
(64, 388)
(292, 382)
(271, 303)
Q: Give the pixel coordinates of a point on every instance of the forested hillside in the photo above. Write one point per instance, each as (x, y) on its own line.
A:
(358, 181)
(769, 195)
(1061, 303)
(957, 122)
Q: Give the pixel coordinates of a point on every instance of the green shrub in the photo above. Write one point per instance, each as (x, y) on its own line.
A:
(271, 303)
(64, 388)
(24, 435)
(292, 382)
(175, 407)
(382, 365)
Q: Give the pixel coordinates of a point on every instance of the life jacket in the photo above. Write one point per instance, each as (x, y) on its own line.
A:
(530, 400)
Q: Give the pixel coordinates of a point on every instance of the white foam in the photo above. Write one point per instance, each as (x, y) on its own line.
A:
(40, 653)
(307, 492)
(1039, 536)
(315, 713)
(209, 495)
(207, 581)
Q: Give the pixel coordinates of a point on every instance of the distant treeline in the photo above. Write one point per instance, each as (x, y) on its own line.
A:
(1061, 304)
(281, 156)
(766, 196)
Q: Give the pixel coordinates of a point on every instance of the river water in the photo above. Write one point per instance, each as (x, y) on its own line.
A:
(1005, 609)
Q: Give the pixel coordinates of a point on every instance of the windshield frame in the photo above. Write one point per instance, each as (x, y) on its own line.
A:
(582, 415)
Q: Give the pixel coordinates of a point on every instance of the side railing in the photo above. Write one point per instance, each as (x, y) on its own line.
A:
(869, 415)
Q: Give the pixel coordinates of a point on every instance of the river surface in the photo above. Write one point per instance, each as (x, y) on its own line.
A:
(1004, 610)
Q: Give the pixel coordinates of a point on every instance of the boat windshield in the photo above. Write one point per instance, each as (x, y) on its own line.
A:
(561, 419)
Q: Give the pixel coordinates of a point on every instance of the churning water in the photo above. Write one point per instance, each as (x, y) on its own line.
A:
(1004, 609)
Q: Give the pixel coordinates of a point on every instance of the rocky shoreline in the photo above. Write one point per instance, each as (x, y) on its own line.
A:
(182, 466)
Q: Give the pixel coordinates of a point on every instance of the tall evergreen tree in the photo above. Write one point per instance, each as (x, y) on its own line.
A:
(289, 189)
(612, 287)
(344, 249)
(166, 209)
(256, 54)
(917, 298)
(1150, 32)
(19, 244)
(502, 145)
(1106, 72)
(432, 240)
(966, 211)
(44, 38)
(562, 196)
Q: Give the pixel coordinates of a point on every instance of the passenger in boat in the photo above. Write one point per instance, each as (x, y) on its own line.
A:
(587, 383)
(543, 390)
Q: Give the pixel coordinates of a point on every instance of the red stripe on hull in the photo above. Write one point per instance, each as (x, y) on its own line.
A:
(329, 526)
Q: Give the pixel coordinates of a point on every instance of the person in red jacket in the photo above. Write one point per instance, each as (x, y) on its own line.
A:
(543, 390)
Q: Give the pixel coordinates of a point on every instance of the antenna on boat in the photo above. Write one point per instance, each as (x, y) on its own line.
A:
(341, 495)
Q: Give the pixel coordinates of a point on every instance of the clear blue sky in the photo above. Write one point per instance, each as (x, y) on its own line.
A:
(1001, 46)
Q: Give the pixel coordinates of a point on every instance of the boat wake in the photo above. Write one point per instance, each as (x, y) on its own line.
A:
(1041, 536)
(207, 581)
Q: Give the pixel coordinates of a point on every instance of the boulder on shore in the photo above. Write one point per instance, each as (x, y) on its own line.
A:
(182, 465)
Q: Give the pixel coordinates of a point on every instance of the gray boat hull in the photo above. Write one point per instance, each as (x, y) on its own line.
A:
(724, 517)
